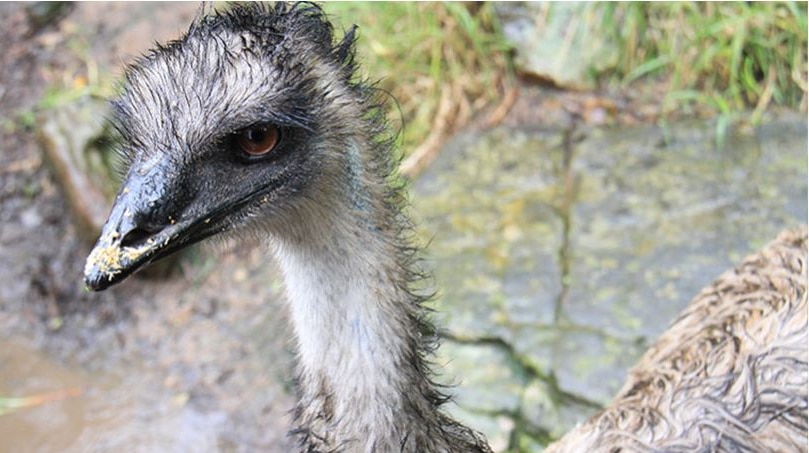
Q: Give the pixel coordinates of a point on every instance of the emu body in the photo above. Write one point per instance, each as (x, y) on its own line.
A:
(254, 123)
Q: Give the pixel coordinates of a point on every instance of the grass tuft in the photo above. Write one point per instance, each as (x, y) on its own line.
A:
(726, 57)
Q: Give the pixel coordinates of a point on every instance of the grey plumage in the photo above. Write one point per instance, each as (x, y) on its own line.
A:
(254, 121)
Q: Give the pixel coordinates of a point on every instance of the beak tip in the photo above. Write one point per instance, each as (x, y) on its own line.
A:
(109, 262)
(93, 278)
(103, 266)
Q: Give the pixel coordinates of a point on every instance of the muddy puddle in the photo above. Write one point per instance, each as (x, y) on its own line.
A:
(95, 410)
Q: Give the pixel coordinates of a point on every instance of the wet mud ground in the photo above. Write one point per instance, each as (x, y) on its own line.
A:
(164, 365)
(202, 362)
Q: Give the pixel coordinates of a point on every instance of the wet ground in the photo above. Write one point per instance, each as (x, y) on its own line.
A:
(171, 366)
(560, 251)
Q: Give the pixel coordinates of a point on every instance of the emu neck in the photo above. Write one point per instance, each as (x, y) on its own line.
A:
(361, 377)
(363, 383)
(349, 323)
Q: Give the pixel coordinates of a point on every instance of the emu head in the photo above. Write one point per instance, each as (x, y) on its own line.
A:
(249, 115)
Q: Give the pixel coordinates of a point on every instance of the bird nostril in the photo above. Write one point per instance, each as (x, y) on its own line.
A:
(136, 236)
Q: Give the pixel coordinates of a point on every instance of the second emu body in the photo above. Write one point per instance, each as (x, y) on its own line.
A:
(253, 123)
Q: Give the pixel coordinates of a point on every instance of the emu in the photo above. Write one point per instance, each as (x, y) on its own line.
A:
(254, 123)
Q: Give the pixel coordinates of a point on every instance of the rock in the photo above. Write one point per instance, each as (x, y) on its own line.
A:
(575, 269)
(558, 42)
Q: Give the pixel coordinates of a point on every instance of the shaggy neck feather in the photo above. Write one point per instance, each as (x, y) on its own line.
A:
(362, 383)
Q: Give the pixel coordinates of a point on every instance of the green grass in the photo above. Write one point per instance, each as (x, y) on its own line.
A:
(420, 52)
(709, 59)
(724, 58)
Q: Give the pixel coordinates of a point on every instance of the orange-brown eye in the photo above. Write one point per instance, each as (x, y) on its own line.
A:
(259, 140)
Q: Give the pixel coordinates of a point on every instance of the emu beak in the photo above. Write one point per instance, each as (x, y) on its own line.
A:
(116, 255)
(111, 261)
(125, 244)
(133, 236)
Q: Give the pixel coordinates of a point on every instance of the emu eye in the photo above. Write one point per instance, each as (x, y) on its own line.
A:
(258, 140)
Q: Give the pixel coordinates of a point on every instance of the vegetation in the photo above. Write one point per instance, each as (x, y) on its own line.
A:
(725, 57)
(442, 62)
(711, 58)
